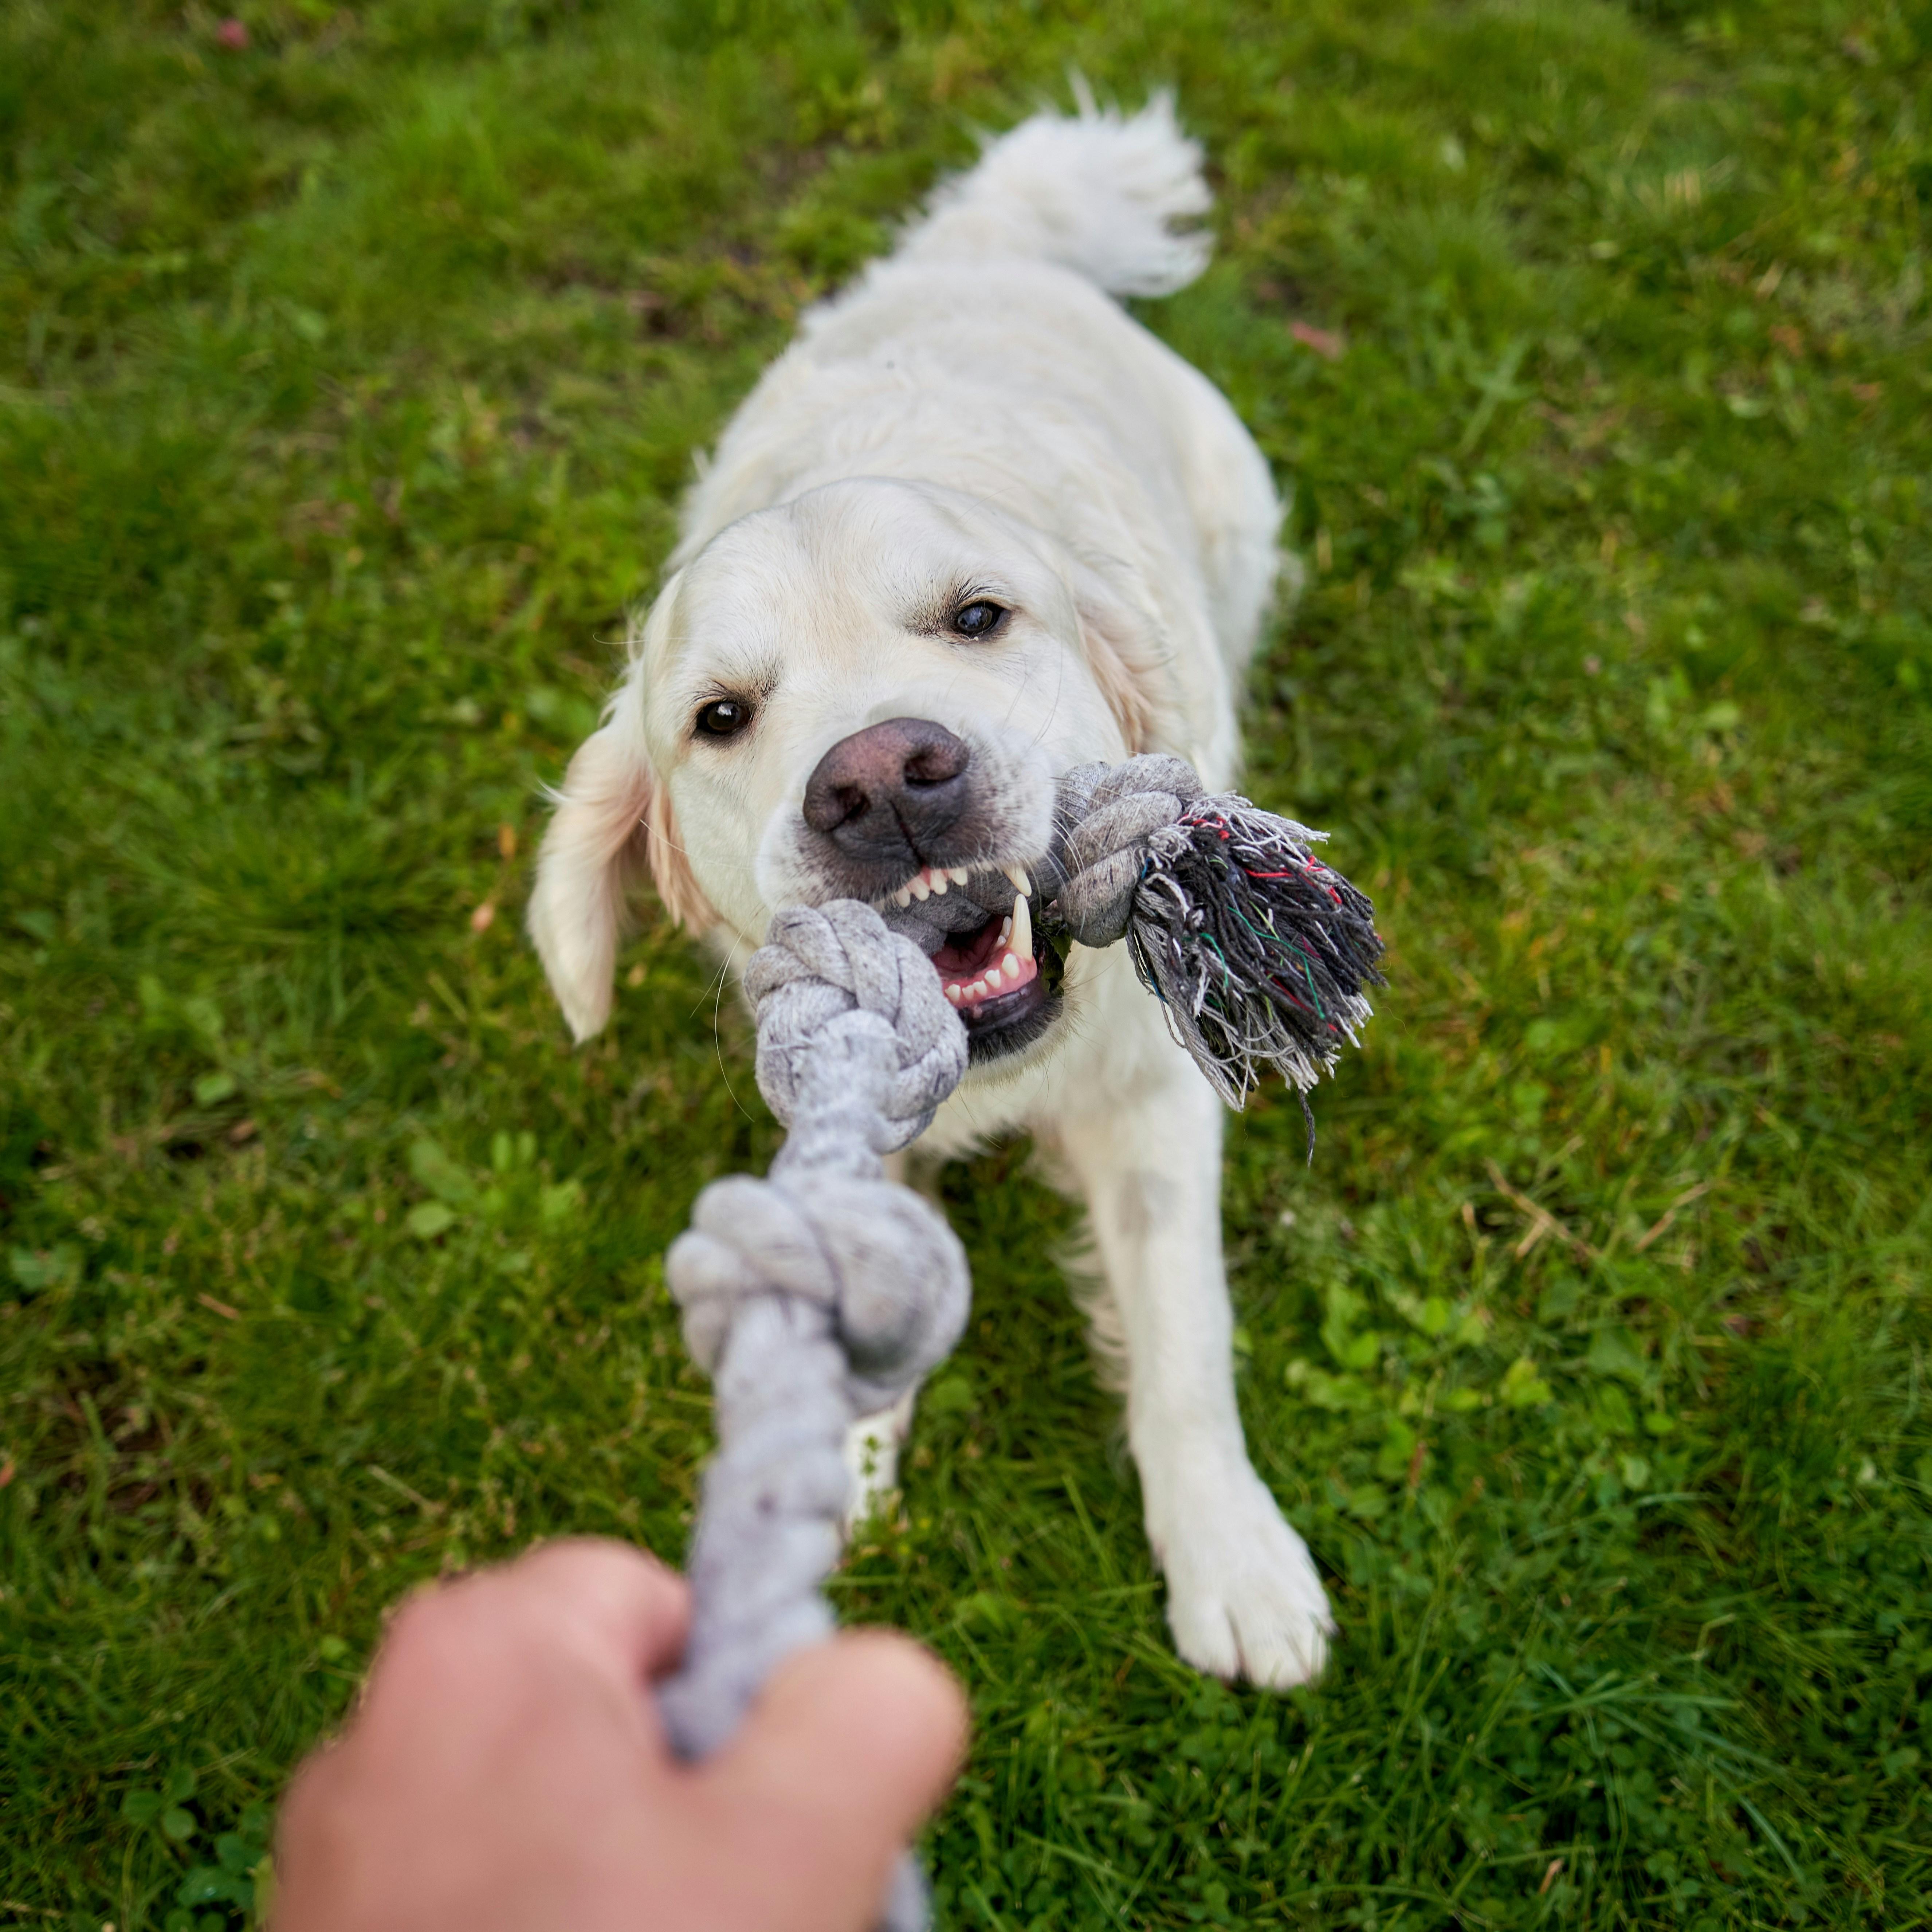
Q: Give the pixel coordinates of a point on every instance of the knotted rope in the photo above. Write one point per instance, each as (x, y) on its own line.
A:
(823, 1292)
(816, 1296)
(1257, 951)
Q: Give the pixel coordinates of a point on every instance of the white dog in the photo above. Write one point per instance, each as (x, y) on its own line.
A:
(974, 528)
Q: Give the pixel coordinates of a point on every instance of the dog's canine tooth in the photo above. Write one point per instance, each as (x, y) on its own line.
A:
(1021, 884)
(1019, 928)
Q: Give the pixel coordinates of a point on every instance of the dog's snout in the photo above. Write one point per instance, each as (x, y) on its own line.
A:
(891, 790)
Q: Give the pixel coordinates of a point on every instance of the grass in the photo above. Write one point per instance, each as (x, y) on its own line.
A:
(347, 383)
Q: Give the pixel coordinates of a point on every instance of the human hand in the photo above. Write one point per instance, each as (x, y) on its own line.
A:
(506, 1772)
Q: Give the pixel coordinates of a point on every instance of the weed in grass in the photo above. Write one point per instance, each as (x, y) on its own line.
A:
(348, 379)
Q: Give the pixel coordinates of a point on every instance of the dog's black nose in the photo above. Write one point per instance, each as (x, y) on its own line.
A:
(891, 793)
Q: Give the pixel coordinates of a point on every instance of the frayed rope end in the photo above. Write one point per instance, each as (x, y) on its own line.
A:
(1258, 953)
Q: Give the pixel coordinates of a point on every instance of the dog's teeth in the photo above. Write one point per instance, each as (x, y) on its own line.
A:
(1020, 928)
(1006, 928)
(954, 994)
(903, 897)
(938, 881)
(959, 875)
(1021, 884)
(1014, 969)
(919, 889)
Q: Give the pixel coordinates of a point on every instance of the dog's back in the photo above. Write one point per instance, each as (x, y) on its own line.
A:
(985, 354)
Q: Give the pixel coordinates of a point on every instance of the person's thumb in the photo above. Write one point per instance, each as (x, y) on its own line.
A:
(848, 1748)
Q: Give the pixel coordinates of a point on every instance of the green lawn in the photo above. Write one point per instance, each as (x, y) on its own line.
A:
(348, 381)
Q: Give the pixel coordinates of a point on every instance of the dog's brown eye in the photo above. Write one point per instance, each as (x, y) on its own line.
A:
(724, 718)
(979, 618)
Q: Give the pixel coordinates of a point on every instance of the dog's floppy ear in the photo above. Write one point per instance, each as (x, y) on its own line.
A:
(613, 822)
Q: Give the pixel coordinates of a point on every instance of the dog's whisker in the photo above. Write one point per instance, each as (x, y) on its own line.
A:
(718, 980)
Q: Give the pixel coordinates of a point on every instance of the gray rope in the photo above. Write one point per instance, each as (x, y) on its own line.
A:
(1109, 812)
(816, 1296)
(1258, 953)
(824, 1292)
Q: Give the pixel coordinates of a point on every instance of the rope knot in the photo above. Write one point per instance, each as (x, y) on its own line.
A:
(1114, 810)
(857, 1045)
(879, 1259)
(833, 976)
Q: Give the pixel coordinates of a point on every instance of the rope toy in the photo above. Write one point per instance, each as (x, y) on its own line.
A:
(1258, 952)
(823, 1292)
(816, 1296)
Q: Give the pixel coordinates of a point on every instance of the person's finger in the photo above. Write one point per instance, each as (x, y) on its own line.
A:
(306, 1800)
(603, 1612)
(622, 1599)
(848, 1748)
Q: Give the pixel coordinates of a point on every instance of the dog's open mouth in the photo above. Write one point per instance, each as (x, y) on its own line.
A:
(1002, 977)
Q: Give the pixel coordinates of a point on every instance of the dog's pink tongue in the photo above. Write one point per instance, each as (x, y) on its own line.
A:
(961, 954)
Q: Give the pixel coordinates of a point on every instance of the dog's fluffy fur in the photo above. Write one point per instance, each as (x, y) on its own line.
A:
(977, 419)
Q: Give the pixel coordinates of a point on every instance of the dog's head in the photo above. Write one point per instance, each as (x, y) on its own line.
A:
(866, 693)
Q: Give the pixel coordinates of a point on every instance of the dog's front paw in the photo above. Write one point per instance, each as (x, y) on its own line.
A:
(872, 1461)
(1242, 1596)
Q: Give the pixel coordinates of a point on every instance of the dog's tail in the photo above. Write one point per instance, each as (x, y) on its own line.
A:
(1097, 192)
